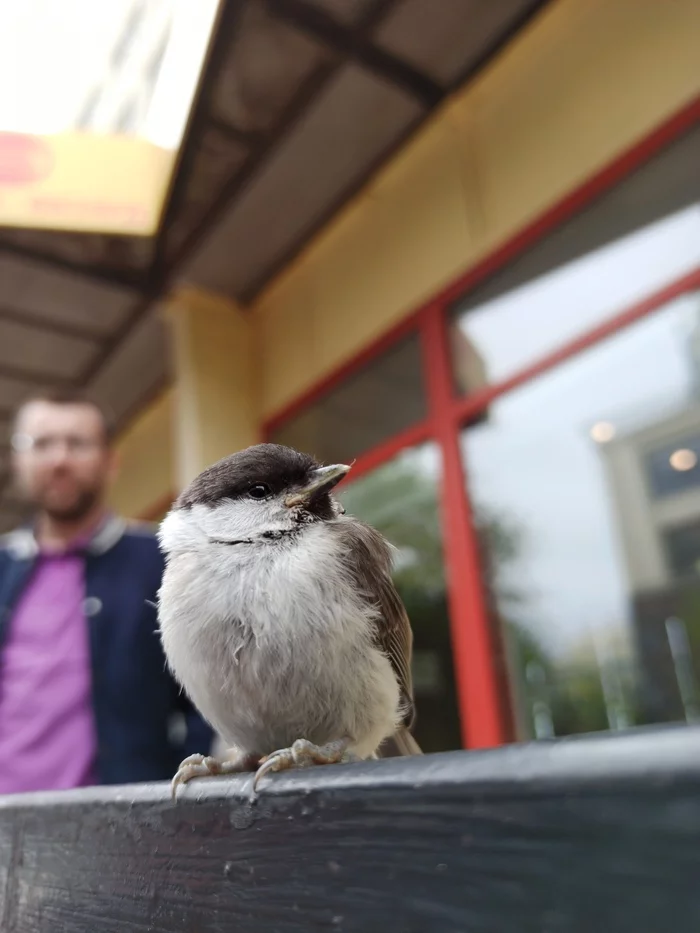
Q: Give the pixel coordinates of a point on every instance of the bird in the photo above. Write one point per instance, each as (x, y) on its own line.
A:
(279, 618)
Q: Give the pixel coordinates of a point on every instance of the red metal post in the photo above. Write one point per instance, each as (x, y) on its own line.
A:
(474, 660)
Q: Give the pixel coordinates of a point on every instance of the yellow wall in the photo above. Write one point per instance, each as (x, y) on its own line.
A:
(209, 412)
(586, 81)
(215, 399)
(146, 453)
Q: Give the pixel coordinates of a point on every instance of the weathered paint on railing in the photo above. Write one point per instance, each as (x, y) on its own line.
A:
(596, 834)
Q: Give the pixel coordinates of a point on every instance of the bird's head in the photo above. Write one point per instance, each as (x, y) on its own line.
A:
(266, 491)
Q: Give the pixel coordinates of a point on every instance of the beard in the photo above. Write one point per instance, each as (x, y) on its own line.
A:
(76, 510)
(69, 508)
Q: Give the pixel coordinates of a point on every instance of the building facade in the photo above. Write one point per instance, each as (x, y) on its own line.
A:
(498, 330)
(118, 100)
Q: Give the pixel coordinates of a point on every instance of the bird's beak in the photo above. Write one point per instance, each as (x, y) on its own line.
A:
(322, 479)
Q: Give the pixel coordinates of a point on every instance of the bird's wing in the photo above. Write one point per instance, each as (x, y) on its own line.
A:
(399, 745)
(368, 557)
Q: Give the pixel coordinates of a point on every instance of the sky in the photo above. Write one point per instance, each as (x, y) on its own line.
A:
(534, 462)
(52, 51)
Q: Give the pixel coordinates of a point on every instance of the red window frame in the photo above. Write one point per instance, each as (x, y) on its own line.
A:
(479, 688)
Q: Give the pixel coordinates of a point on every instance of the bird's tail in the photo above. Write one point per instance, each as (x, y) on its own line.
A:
(400, 744)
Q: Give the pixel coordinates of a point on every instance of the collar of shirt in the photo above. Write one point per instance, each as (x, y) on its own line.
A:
(77, 547)
(23, 545)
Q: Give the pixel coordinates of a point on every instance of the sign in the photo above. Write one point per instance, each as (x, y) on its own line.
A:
(83, 182)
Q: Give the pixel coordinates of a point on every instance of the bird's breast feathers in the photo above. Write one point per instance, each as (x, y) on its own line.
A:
(280, 635)
(294, 587)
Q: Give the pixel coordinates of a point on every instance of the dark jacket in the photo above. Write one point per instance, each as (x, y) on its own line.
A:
(144, 724)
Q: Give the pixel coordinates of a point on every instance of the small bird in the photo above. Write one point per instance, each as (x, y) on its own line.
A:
(279, 618)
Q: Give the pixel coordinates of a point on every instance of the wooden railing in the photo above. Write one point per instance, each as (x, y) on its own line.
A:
(595, 835)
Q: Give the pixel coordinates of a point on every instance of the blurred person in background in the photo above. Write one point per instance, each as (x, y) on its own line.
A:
(85, 696)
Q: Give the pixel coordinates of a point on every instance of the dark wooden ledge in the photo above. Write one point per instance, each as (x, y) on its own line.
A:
(594, 835)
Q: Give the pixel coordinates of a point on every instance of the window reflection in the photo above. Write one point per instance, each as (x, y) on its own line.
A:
(674, 466)
(400, 500)
(633, 241)
(586, 563)
(382, 398)
(682, 546)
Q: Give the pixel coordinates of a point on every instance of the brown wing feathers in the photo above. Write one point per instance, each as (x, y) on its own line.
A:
(369, 560)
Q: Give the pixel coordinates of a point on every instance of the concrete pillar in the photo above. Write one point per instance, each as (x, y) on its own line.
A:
(215, 399)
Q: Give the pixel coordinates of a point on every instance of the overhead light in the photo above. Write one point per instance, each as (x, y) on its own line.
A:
(602, 432)
(683, 459)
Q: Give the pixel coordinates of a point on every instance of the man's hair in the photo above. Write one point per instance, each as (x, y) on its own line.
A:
(68, 397)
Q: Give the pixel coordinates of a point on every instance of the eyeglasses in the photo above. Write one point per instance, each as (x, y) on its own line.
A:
(44, 446)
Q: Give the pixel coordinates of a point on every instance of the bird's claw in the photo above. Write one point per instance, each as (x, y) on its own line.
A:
(207, 766)
(303, 754)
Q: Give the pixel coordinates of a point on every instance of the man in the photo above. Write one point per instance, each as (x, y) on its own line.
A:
(85, 696)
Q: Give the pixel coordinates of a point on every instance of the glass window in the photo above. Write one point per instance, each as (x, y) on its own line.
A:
(576, 542)
(683, 550)
(674, 467)
(400, 500)
(633, 241)
(382, 398)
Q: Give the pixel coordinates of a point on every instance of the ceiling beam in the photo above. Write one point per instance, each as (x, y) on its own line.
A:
(223, 32)
(49, 325)
(247, 139)
(354, 45)
(265, 144)
(253, 289)
(100, 274)
(501, 40)
(34, 376)
(308, 90)
(112, 343)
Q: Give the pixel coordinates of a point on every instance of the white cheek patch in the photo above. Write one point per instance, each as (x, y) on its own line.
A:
(237, 519)
(179, 532)
(228, 520)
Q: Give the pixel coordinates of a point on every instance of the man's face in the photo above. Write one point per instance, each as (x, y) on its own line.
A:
(62, 463)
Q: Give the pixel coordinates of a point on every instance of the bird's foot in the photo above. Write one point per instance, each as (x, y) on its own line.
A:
(303, 754)
(206, 766)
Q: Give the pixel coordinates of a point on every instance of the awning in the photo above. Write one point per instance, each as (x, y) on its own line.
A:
(299, 103)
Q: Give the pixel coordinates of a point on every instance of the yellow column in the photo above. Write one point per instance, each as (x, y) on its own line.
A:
(214, 407)
(146, 479)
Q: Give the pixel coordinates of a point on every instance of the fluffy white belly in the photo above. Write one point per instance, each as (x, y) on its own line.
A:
(273, 645)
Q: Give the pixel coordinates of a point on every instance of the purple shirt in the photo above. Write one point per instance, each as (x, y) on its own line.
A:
(47, 732)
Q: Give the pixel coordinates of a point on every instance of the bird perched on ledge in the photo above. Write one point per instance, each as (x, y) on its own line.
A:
(280, 619)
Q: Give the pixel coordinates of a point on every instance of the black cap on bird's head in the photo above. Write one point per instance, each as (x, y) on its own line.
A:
(263, 472)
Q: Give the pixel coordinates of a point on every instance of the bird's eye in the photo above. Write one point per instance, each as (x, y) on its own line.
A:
(259, 491)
